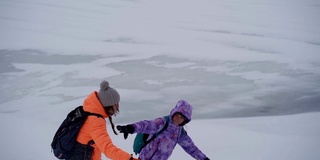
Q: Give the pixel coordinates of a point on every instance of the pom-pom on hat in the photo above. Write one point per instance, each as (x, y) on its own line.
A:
(107, 95)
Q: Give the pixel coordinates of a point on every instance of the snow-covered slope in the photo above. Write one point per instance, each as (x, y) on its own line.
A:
(294, 137)
(227, 58)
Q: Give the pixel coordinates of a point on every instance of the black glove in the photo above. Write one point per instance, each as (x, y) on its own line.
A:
(206, 158)
(126, 130)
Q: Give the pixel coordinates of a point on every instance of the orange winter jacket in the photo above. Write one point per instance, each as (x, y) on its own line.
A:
(95, 128)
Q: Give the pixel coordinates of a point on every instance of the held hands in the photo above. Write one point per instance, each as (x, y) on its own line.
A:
(126, 130)
(134, 158)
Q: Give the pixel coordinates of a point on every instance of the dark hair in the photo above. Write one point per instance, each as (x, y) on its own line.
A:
(107, 109)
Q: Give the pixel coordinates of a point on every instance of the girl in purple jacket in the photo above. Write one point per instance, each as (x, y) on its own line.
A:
(162, 146)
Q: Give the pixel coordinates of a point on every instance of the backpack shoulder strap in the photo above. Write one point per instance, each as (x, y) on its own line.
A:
(90, 114)
(86, 113)
(164, 128)
(95, 114)
(183, 132)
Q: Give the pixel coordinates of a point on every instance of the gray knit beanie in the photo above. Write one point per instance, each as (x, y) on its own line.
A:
(107, 95)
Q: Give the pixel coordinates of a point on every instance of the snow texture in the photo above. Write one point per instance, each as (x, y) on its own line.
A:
(249, 68)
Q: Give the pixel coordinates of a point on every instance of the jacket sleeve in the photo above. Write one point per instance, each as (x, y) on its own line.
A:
(149, 126)
(103, 141)
(187, 144)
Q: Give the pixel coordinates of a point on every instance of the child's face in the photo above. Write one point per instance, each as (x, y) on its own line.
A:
(178, 119)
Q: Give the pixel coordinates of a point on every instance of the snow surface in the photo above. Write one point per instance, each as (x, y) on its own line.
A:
(250, 69)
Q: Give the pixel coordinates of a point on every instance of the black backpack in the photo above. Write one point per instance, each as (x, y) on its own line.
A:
(64, 144)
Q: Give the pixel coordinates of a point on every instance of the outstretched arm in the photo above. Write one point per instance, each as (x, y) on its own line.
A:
(145, 126)
(187, 144)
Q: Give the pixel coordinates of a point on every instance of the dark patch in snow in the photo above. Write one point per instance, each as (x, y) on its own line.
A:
(8, 57)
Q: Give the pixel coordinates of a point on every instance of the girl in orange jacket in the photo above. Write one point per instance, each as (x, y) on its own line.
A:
(106, 103)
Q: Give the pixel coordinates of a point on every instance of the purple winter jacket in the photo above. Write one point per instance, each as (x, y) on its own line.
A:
(162, 146)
